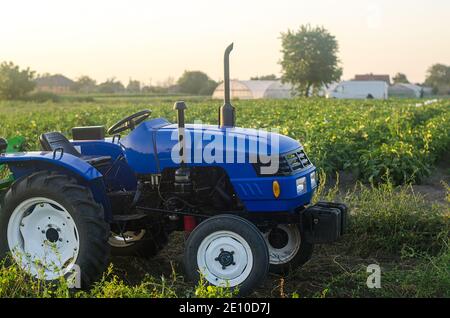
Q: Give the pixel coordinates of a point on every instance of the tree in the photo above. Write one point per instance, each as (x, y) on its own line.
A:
(270, 77)
(309, 59)
(208, 88)
(196, 83)
(15, 83)
(111, 86)
(400, 78)
(84, 84)
(438, 77)
(134, 86)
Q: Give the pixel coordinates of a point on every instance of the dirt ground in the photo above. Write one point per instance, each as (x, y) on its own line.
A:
(307, 281)
(431, 188)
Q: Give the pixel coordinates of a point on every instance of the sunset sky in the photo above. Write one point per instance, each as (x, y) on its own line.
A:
(152, 40)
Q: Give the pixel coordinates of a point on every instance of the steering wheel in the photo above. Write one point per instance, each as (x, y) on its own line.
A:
(129, 122)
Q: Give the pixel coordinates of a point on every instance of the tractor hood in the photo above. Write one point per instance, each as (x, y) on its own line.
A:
(270, 140)
(154, 145)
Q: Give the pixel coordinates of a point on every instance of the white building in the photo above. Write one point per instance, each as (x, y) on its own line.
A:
(255, 90)
(358, 90)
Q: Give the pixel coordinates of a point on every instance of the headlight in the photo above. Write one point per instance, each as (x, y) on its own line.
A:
(301, 185)
(313, 177)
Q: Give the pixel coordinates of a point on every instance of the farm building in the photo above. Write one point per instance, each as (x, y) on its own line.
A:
(405, 90)
(255, 89)
(57, 84)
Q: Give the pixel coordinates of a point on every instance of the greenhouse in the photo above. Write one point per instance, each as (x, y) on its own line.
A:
(255, 89)
(405, 90)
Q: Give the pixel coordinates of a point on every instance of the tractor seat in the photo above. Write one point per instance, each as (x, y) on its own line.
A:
(55, 140)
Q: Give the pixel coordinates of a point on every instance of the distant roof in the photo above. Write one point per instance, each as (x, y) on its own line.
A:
(56, 80)
(413, 87)
(258, 88)
(255, 89)
(373, 77)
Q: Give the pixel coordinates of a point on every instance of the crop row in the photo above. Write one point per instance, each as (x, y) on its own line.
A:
(369, 138)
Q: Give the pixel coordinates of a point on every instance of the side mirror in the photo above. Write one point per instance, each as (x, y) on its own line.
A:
(3, 145)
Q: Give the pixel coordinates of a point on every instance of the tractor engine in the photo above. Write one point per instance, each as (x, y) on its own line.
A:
(200, 189)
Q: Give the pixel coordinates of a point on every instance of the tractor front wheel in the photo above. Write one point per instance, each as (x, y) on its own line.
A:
(53, 227)
(228, 251)
(287, 248)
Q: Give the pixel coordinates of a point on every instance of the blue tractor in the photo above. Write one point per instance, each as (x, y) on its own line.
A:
(71, 205)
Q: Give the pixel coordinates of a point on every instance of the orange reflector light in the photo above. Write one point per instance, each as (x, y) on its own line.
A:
(276, 189)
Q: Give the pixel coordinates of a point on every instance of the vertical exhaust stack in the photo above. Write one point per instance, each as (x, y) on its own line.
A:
(183, 184)
(226, 112)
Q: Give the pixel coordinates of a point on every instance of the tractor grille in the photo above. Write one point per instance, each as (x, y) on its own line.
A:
(290, 163)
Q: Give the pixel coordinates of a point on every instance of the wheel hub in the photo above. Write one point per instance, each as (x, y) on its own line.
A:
(126, 239)
(278, 238)
(225, 258)
(283, 243)
(43, 238)
(52, 235)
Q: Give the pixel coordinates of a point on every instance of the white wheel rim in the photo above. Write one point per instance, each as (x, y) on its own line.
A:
(127, 239)
(215, 264)
(43, 238)
(283, 254)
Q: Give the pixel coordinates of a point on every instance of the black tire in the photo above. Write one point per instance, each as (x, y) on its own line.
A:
(246, 230)
(370, 96)
(154, 239)
(302, 255)
(87, 215)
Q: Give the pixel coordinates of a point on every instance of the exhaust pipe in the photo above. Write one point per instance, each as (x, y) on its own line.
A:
(183, 184)
(226, 112)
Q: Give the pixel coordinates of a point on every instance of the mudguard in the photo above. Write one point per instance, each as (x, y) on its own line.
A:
(25, 163)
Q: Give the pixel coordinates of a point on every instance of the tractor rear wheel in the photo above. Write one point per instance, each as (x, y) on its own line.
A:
(287, 248)
(228, 251)
(52, 227)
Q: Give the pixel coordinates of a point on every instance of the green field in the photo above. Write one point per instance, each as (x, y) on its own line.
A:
(367, 138)
(381, 143)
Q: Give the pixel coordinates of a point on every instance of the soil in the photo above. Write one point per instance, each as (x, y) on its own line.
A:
(432, 188)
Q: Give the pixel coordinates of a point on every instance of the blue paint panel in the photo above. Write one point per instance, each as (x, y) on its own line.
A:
(118, 177)
(98, 148)
(257, 195)
(139, 147)
(66, 161)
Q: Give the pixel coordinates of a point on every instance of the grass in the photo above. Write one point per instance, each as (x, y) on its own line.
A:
(383, 142)
(390, 226)
(15, 283)
(407, 222)
(426, 276)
